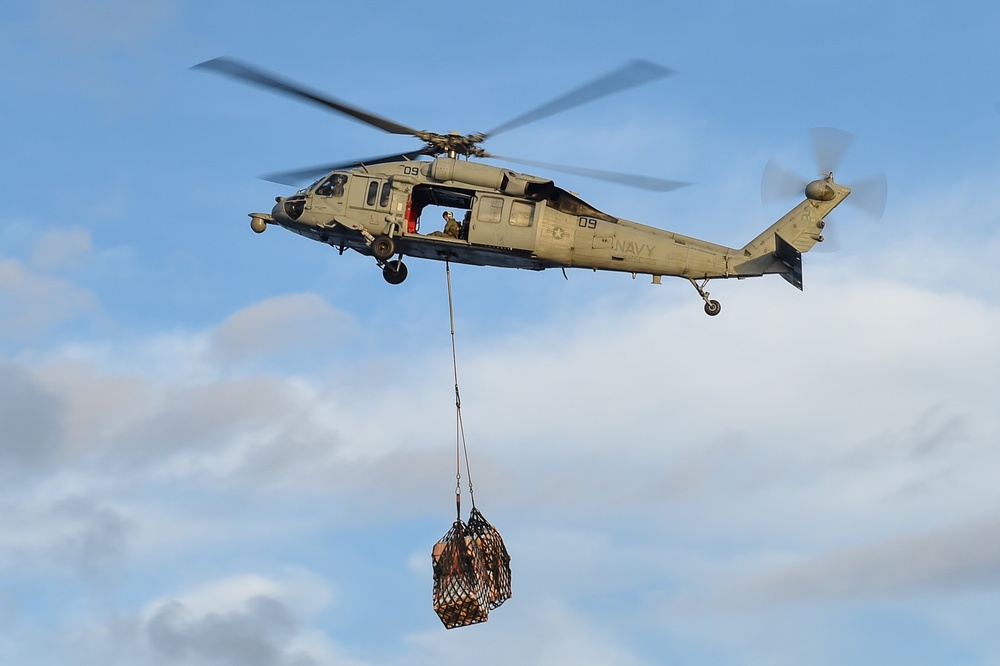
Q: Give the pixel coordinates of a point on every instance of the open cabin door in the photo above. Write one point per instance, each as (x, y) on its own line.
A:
(504, 222)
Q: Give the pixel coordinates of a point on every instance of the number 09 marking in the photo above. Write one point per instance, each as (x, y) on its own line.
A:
(587, 222)
(411, 170)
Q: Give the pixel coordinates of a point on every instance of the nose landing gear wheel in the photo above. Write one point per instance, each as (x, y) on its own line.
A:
(394, 272)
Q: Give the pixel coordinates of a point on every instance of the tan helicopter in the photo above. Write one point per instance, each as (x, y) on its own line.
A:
(510, 219)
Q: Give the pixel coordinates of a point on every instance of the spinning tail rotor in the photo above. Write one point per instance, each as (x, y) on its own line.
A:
(829, 146)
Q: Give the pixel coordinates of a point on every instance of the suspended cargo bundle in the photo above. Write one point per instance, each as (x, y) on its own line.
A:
(461, 581)
(471, 564)
(495, 556)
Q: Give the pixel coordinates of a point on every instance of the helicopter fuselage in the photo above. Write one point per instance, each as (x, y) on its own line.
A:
(376, 206)
(516, 220)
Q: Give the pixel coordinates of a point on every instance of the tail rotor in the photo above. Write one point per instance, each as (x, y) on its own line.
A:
(829, 145)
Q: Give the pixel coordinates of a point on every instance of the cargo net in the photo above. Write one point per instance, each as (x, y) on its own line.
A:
(471, 572)
(461, 583)
(496, 559)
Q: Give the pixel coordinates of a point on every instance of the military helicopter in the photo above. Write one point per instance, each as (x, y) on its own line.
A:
(374, 206)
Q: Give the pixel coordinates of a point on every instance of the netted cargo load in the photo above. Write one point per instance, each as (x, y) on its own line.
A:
(471, 564)
(461, 582)
(495, 557)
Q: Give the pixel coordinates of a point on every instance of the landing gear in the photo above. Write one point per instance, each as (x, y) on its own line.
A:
(394, 272)
(712, 307)
(383, 247)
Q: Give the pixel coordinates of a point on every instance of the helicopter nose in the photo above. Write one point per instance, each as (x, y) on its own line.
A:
(278, 212)
(290, 208)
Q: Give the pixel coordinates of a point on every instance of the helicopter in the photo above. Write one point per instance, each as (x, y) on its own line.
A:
(510, 219)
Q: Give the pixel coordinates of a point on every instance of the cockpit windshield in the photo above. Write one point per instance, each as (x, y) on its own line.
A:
(332, 186)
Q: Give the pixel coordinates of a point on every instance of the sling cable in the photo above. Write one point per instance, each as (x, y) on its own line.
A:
(471, 564)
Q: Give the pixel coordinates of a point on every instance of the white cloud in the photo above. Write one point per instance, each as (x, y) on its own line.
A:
(246, 620)
(32, 303)
(61, 248)
(940, 562)
(302, 323)
(31, 421)
(788, 452)
(296, 588)
(783, 382)
(241, 620)
(65, 532)
(542, 633)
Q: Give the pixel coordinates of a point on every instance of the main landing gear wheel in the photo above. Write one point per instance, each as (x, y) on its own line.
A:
(383, 247)
(394, 272)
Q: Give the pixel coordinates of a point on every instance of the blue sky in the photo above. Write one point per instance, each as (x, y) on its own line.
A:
(223, 448)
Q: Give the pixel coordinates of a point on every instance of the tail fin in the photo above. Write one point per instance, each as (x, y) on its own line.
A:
(778, 249)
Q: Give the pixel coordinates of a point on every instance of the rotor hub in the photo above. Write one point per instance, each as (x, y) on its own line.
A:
(822, 189)
(454, 143)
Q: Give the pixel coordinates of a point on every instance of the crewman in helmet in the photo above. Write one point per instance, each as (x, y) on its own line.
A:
(451, 226)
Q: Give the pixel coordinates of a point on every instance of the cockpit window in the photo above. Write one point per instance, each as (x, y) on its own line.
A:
(332, 186)
(383, 199)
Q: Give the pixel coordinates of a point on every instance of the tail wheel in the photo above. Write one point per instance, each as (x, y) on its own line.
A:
(383, 248)
(712, 308)
(394, 272)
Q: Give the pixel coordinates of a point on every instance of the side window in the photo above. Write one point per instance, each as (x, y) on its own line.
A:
(520, 214)
(489, 209)
(372, 193)
(383, 199)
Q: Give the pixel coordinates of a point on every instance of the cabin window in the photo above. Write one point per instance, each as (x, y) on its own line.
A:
(520, 214)
(332, 186)
(383, 200)
(372, 193)
(489, 209)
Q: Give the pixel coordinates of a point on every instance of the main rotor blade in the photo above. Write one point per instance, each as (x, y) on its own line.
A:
(310, 174)
(642, 182)
(249, 74)
(632, 74)
(829, 146)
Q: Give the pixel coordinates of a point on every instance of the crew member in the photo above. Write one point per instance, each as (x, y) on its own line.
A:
(451, 226)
